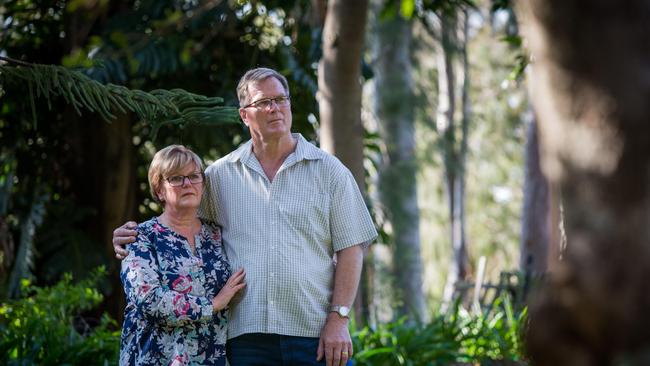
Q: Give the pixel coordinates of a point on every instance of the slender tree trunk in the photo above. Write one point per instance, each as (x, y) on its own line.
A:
(453, 80)
(339, 84)
(536, 230)
(591, 94)
(394, 109)
(339, 100)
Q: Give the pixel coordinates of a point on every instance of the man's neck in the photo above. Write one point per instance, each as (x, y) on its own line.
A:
(272, 153)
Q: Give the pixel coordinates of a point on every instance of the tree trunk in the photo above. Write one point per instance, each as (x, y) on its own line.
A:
(535, 228)
(339, 100)
(394, 109)
(591, 94)
(453, 71)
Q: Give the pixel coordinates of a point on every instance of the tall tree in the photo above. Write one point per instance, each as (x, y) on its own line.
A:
(536, 227)
(339, 100)
(591, 95)
(394, 108)
(453, 118)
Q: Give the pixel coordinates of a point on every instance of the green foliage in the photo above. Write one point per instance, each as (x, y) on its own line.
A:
(457, 336)
(158, 107)
(45, 327)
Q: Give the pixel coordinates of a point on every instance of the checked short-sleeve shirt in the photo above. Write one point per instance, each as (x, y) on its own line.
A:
(284, 234)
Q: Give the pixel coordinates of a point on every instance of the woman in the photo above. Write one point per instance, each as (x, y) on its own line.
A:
(176, 277)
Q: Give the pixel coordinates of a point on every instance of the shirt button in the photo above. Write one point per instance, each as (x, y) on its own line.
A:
(271, 302)
(271, 274)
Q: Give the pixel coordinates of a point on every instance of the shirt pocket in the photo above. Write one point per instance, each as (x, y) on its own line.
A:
(307, 213)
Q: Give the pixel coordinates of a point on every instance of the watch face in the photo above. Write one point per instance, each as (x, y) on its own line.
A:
(344, 310)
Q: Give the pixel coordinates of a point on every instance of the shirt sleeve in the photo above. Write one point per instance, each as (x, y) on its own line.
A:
(349, 217)
(142, 287)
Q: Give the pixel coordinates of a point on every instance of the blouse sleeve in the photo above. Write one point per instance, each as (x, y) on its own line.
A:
(142, 286)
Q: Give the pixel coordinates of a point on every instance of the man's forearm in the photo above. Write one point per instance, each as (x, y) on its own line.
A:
(347, 275)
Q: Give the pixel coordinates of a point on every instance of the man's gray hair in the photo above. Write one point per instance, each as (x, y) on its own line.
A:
(254, 76)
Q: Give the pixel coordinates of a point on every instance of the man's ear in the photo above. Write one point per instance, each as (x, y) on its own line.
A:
(242, 115)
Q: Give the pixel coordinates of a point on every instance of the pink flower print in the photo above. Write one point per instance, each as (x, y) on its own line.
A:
(144, 289)
(180, 360)
(216, 235)
(180, 306)
(157, 228)
(182, 284)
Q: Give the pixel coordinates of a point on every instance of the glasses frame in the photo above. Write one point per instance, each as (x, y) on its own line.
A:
(200, 174)
(280, 101)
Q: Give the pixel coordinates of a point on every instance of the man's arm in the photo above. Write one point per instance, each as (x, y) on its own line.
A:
(335, 341)
(122, 236)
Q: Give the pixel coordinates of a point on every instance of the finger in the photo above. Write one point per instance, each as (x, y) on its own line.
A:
(331, 355)
(319, 351)
(120, 252)
(345, 356)
(240, 273)
(238, 287)
(238, 278)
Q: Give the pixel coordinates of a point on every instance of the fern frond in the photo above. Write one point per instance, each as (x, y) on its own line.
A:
(158, 107)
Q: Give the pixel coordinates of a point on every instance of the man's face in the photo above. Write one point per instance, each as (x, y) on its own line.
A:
(267, 122)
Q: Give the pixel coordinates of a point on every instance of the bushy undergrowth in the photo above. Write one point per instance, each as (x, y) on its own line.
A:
(457, 337)
(44, 327)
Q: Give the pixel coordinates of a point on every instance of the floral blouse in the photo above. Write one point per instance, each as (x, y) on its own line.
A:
(168, 318)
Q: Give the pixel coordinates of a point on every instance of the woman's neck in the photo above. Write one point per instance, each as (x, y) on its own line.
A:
(179, 220)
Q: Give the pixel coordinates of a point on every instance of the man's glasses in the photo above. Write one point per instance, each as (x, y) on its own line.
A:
(178, 180)
(266, 103)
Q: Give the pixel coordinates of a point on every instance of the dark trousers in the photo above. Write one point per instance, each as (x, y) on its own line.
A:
(259, 349)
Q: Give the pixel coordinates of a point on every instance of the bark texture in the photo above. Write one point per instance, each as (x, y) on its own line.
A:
(394, 109)
(591, 87)
(339, 100)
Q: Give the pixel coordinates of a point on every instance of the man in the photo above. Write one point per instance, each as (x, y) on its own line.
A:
(285, 207)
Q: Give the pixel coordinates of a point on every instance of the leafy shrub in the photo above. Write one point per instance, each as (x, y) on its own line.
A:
(45, 326)
(457, 337)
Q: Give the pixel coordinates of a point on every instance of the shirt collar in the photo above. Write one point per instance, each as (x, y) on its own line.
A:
(304, 151)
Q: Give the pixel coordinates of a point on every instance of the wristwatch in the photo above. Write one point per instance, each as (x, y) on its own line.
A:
(343, 311)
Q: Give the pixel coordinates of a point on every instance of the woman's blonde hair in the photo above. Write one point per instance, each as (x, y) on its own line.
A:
(168, 161)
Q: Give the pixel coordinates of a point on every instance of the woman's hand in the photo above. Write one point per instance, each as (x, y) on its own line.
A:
(235, 283)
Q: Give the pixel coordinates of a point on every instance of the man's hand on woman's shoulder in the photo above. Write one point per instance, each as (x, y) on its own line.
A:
(123, 235)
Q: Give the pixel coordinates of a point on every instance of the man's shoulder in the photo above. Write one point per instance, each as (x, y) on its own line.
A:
(315, 153)
(226, 160)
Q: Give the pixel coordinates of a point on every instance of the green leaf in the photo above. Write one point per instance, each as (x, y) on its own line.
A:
(407, 8)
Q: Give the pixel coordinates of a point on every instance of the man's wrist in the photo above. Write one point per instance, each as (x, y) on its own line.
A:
(340, 310)
(337, 319)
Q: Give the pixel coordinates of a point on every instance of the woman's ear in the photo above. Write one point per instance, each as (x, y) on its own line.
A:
(160, 195)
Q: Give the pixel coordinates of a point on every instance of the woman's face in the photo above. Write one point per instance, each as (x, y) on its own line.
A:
(185, 196)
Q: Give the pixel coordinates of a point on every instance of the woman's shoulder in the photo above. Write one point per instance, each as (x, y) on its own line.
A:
(147, 232)
(211, 226)
(150, 226)
(212, 229)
